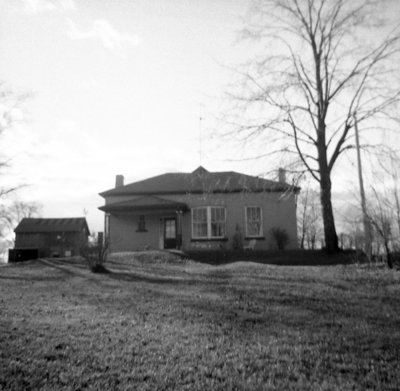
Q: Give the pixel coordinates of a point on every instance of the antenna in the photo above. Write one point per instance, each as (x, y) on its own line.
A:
(200, 135)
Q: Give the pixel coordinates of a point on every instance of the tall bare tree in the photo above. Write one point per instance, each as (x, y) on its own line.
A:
(384, 205)
(318, 63)
(308, 218)
(381, 218)
(11, 105)
(12, 214)
(390, 167)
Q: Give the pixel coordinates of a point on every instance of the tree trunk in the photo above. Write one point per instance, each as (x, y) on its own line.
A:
(331, 239)
(389, 260)
(303, 233)
(313, 242)
(302, 241)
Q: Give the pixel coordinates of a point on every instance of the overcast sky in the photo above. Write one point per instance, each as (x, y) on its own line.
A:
(117, 88)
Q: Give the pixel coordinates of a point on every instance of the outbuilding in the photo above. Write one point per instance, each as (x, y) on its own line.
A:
(52, 237)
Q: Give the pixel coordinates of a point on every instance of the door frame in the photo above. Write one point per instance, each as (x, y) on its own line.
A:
(162, 231)
(173, 240)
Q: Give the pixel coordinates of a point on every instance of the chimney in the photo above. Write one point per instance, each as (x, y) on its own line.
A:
(282, 175)
(119, 180)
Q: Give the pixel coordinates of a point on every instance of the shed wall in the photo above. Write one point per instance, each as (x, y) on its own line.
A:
(51, 243)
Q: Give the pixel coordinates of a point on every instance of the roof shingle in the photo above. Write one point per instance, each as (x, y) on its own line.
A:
(142, 203)
(36, 225)
(199, 181)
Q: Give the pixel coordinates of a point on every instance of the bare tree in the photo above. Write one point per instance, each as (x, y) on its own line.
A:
(10, 215)
(321, 63)
(390, 166)
(381, 218)
(384, 208)
(11, 105)
(302, 206)
(11, 212)
(308, 218)
(351, 236)
(10, 102)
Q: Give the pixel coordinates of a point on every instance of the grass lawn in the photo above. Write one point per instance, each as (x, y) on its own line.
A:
(170, 324)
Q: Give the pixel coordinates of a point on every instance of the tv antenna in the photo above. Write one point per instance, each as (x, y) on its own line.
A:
(200, 135)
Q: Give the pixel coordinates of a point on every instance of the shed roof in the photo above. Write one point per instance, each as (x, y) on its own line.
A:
(200, 181)
(36, 225)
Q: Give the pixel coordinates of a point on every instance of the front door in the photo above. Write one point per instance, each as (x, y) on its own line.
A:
(170, 232)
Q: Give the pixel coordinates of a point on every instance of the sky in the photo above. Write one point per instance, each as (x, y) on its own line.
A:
(119, 87)
(116, 87)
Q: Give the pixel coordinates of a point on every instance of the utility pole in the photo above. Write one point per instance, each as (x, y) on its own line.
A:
(366, 223)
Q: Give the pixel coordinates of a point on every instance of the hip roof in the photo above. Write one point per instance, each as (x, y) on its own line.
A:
(200, 181)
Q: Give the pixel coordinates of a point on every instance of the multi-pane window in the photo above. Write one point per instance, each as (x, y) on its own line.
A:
(199, 220)
(208, 222)
(217, 222)
(170, 228)
(253, 221)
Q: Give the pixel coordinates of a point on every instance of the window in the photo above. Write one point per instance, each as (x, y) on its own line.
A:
(253, 221)
(141, 224)
(217, 222)
(170, 228)
(208, 222)
(199, 220)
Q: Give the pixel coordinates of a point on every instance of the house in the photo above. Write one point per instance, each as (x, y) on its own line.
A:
(52, 237)
(199, 210)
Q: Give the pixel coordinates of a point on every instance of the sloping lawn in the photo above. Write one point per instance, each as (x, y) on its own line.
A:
(168, 324)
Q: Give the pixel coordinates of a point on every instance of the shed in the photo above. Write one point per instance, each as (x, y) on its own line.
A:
(61, 237)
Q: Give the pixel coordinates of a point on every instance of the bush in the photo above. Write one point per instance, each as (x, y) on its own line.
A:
(281, 237)
(96, 256)
(237, 240)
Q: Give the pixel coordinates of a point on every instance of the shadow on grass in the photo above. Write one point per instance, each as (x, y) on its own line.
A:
(135, 277)
(271, 311)
(283, 258)
(59, 270)
(28, 271)
(48, 269)
(25, 278)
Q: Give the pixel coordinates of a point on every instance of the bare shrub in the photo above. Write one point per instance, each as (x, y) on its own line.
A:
(237, 240)
(281, 237)
(96, 256)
